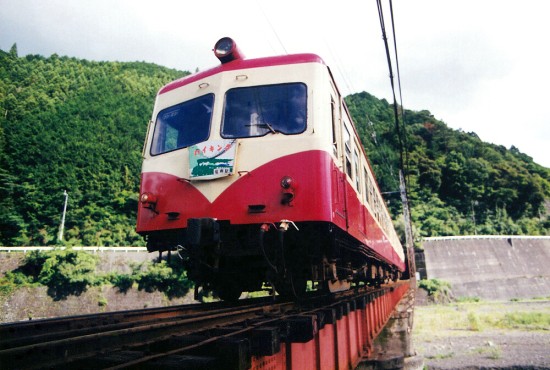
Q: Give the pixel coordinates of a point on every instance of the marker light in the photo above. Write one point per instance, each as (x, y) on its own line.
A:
(226, 50)
(148, 200)
(287, 182)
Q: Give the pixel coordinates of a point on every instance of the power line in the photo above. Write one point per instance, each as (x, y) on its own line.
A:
(338, 67)
(271, 26)
(399, 88)
(388, 57)
(403, 184)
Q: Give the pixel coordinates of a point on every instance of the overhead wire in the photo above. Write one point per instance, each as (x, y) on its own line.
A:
(338, 67)
(272, 28)
(385, 160)
(401, 138)
(398, 128)
(406, 163)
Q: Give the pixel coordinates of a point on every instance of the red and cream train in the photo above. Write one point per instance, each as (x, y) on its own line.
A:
(254, 173)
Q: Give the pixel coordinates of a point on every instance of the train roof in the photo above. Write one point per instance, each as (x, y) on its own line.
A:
(244, 64)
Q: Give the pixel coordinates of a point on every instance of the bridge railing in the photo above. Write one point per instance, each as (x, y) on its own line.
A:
(88, 249)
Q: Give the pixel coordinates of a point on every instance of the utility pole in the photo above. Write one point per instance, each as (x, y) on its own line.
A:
(409, 239)
(62, 226)
(474, 203)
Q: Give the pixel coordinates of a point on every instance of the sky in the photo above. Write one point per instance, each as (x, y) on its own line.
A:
(479, 66)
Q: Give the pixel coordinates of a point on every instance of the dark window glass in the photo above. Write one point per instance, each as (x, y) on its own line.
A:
(183, 125)
(259, 110)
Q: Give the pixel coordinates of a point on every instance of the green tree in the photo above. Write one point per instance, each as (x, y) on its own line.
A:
(77, 125)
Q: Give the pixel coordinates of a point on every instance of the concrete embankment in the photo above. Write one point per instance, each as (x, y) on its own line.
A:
(490, 267)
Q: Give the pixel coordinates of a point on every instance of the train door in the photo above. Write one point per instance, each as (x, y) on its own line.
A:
(338, 173)
(359, 183)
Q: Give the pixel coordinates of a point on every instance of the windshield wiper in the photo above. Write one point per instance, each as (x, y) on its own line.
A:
(264, 125)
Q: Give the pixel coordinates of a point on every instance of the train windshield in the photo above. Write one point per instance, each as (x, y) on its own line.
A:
(183, 125)
(260, 110)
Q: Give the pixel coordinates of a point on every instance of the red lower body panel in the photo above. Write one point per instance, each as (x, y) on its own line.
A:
(320, 193)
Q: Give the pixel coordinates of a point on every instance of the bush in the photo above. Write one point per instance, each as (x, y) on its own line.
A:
(123, 282)
(34, 261)
(473, 322)
(19, 279)
(7, 286)
(69, 272)
(64, 272)
(438, 290)
(169, 278)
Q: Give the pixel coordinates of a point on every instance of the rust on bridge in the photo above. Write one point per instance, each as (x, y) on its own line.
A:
(342, 337)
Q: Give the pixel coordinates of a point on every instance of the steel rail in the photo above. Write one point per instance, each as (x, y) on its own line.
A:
(59, 351)
(38, 331)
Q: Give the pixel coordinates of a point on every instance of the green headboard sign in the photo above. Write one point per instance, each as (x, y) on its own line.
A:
(212, 159)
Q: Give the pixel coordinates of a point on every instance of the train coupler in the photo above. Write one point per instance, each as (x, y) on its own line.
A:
(285, 224)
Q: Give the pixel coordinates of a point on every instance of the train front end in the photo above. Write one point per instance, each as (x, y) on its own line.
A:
(233, 172)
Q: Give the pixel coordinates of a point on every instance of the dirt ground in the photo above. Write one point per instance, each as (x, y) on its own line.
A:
(446, 341)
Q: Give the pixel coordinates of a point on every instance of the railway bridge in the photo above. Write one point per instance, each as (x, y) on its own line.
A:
(364, 329)
(322, 332)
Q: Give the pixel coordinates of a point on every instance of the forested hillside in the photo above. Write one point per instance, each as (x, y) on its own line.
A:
(458, 185)
(76, 125)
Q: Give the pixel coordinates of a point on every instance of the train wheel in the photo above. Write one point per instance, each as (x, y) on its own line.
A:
(291, 287)
(228, 291)
(372, 277)
(334, 286)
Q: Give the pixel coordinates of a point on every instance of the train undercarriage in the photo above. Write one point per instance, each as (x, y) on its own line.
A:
(231, 259)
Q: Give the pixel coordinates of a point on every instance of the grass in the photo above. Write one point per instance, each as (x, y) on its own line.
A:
(459, 318)
(474, 323)
(526, 320)
(441, 356)
(490, 351)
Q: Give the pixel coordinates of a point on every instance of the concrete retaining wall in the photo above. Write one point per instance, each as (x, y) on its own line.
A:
(497, 267)
(115, 259)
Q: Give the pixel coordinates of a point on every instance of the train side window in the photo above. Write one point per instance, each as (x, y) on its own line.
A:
(366, 185)
(183, 125)
(347, 144)
(356, 168)
(347, 139)
(377, 208)
(334, 122)
(371, 192)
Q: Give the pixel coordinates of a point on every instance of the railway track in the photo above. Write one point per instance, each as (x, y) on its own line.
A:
(256, 333)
